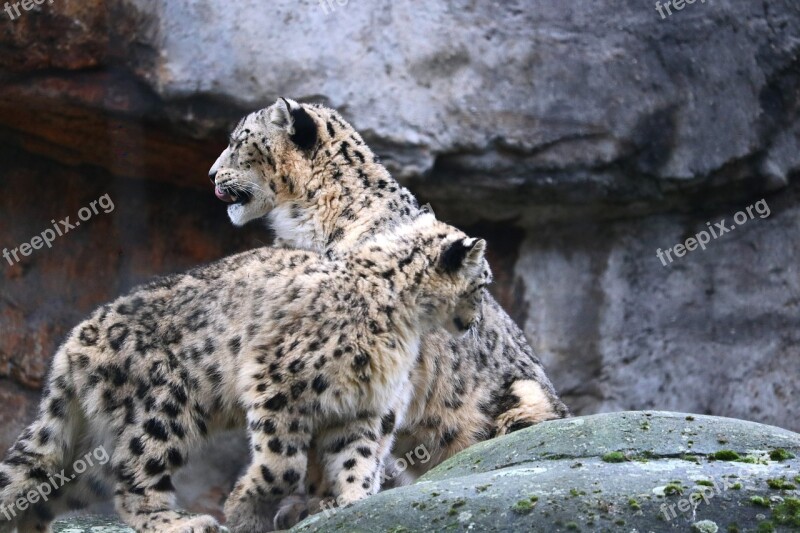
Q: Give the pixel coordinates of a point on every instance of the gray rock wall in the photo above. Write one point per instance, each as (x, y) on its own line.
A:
(579, 137)
(586, 101)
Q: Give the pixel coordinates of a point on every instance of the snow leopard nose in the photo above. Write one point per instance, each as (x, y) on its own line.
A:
(212, 175)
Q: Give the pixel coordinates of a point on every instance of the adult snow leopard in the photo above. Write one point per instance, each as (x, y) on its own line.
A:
(321, 188)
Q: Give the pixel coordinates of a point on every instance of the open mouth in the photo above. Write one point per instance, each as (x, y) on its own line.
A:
(230, 196)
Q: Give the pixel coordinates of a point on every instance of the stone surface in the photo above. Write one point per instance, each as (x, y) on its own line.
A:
(577, 137)
(714, 332)
(56, 35)
(92, 524)
(635, 471)
(560, 100)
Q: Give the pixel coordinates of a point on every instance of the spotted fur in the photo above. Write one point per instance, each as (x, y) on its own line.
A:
(333, 195)
(295, 345)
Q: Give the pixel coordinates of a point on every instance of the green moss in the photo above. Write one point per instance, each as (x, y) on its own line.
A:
(788, 512)
(461, 502)
(780, 455)
(399, 529)
(753, 460)
(726, 455)
(614, 457)
(690, 418)
(760, 501)
(673, 488)
(780, 484)
(573, 526)
(704, 482)
(557, 456)
(620, 522)
(733, 528)
(641, 457)
(692, 458)
(482, 488)
(523, 507)
(736, 486)
(765, 527)
(633, 504)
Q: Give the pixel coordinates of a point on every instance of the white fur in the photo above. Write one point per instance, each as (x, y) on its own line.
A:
(242, 214)
(303, 232)
(218, 163)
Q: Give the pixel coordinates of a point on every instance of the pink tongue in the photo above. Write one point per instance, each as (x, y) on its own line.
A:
(225, 197)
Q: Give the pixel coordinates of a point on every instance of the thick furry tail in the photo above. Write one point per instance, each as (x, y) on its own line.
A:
(30, 470)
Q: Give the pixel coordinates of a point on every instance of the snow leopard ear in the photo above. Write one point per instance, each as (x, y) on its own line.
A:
(462, 253)
(280, 114)
(298, 124)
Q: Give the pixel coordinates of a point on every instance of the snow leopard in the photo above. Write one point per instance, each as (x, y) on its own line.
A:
(295, 345)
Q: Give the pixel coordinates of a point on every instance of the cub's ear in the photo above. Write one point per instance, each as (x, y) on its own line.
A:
(427, 210)
(292, 117)
(462, 253)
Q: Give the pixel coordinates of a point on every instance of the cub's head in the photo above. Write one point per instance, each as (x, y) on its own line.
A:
(451, 295)
(269, 150)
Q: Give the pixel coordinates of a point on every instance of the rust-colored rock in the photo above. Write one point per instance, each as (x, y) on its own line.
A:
(151, 230)
(59, 34)
(101, 120)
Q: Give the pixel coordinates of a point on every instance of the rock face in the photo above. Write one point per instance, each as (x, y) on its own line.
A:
(90, 524)
(93, 524)
(579, 138)
(635, 471)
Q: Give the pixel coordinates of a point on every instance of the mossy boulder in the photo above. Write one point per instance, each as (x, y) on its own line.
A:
(643, 471)
(90, 524)
(93, 524)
